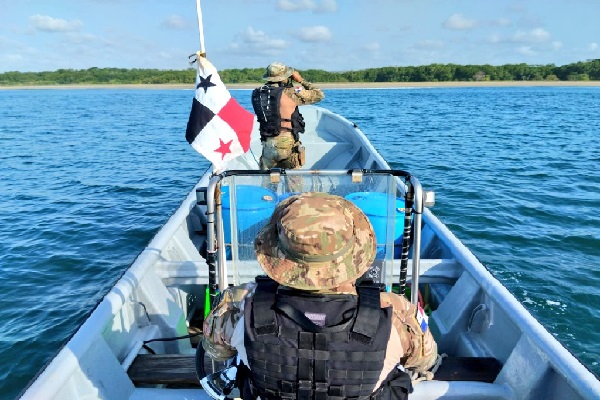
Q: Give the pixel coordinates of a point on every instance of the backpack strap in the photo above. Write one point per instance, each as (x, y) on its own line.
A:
(369, 306)
(264, 297)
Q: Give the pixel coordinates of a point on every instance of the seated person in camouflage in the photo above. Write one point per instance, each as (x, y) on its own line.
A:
(276, 107)
(307, 329)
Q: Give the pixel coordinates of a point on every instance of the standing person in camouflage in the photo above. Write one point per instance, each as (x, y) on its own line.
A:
(308, 330)
(276, 107)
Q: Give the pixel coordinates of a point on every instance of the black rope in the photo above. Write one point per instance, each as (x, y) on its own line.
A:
(149, 349)
(406, 237)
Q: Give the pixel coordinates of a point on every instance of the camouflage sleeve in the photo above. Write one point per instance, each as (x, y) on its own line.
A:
(419, 346)
(306, 93)
(221, 321)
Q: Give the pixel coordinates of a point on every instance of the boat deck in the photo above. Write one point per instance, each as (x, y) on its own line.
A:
(179, 370)
(175, 375)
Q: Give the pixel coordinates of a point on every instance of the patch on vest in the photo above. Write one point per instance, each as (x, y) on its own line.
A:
(316, 318)
(422, 319)
(298, 89)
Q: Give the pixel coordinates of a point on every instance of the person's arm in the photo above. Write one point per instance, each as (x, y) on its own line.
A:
(309, 93)
(420, 348)
(221, 321)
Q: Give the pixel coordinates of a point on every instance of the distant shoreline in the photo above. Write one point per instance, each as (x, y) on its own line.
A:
(343, 85)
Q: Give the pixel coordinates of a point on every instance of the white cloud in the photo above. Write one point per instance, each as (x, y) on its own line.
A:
(80, 38)
(526, 51)
(517, 7)
(593, 46)
(536, 35)
(502, 22)
(295, 5)
(458, 21)
(429, 44)
(373, 46)
(175, 22)
(325, 6)
(314, 34)
(532, 36)
(5, 41)
(495, 38)
(557, 45)
(254, 43)
(16, 55)
(254, 37)
(540, 34)
(48, 24)
(11, 55)
(12, 58)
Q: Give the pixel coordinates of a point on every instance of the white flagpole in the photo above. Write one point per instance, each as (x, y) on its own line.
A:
(202, 52)
(200, 29)
(223, 284)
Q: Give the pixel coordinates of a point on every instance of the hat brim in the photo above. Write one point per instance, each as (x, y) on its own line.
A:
(316, 275)
(288, 72)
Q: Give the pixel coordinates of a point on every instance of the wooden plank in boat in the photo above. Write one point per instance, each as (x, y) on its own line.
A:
(181, 369)
(195, 328)
(163, 369)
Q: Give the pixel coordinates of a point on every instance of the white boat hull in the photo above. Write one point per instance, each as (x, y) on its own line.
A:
(476, 315)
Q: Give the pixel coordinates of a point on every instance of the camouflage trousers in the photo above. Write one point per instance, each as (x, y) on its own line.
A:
(280, 152)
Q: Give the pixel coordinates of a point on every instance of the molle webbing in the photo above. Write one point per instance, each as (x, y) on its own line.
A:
(290, 357)
(266, 102)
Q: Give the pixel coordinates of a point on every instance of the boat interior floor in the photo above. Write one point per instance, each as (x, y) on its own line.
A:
(456, 376)
(178, 370)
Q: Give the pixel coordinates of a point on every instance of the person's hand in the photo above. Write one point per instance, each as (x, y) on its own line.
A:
(297, 77)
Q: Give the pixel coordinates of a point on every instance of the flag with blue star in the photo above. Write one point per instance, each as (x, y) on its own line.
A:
(219, 128)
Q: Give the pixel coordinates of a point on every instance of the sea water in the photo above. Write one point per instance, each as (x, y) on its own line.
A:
(88, 176)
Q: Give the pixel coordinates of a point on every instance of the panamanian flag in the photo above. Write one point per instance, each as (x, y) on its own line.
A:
(219, 128)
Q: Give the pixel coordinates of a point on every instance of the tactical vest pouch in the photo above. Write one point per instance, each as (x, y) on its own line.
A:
(338, 357)
(301, 155)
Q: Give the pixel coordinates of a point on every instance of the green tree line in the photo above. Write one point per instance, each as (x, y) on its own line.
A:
(579, 71)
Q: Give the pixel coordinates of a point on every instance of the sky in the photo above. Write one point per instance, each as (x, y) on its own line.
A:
(333, 35)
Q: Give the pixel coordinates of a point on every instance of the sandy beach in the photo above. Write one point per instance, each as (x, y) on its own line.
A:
(345, 85)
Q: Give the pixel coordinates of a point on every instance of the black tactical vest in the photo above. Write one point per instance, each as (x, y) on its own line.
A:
(309, 346)
(265, 101)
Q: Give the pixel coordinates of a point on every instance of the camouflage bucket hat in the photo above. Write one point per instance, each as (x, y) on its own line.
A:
(277, 72)
(316, 241)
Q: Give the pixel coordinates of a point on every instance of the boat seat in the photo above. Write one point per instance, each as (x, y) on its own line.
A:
(169, 394)
(167, 369)
(477, 369)
(180, 369)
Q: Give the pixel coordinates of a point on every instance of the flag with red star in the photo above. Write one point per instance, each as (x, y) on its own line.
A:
(219, 128)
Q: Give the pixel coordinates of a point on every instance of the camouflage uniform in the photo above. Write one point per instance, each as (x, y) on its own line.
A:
(320, 243)
(278, 151)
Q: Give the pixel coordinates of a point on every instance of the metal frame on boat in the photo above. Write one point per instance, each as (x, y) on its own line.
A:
(411, 189)
(496, 349)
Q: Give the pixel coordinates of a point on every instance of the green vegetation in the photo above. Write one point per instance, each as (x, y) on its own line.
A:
(580, 71)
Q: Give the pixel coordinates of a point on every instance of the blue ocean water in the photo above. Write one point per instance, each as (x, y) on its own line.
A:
(88, 176)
